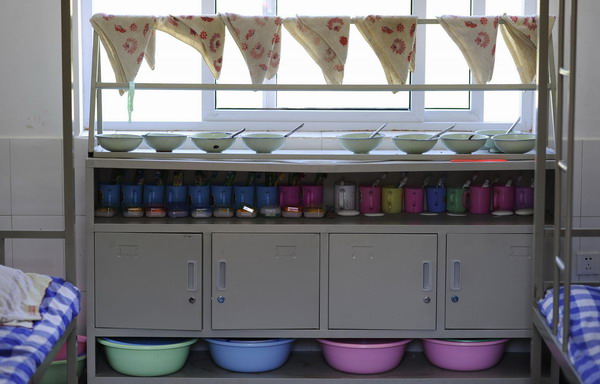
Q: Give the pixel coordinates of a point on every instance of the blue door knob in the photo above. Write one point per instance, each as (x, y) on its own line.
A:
(454, 299)
(220, 299)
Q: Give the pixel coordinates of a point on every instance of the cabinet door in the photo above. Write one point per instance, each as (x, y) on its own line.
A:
(265, 281)
(488, 282)
(150, 281)
(384, 281)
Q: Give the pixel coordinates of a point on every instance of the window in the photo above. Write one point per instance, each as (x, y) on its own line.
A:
(438, 62)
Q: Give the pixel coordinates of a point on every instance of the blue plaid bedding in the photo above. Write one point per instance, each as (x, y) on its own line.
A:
(584, 342)
(22, 350)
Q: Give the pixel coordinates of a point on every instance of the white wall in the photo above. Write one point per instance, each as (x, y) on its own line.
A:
(31, 125)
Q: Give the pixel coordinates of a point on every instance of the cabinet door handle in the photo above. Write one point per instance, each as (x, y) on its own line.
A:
(455, 282)
(192, 275)
(427, 276)
(222, 277)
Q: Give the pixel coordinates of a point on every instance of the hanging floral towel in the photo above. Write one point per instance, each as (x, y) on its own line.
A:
(475, 36)
(204, 33)
(520, 35)
(259, 40)
(128, 40)
(326, 41)
(392, 38)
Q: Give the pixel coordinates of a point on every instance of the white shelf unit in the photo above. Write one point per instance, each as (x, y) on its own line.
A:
(442, 233)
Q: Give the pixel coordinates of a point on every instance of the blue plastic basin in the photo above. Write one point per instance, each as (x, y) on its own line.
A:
(249, 355)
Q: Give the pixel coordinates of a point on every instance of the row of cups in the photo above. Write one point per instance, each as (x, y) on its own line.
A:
(435, 199)
(307, 200)
(138, 200)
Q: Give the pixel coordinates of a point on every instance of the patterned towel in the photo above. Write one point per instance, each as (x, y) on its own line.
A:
(584, 339)
(326, 41)
(259, 40)
(520, 35)
(204, 33)
(392, 38)
(128, 40)
(475, 36)
(20, 296)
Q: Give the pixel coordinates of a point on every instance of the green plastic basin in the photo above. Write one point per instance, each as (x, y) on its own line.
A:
(146, 356)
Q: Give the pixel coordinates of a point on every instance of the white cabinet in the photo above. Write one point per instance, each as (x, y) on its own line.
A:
(488, 281)
(265, 281)
(382, 281)
(148, 280)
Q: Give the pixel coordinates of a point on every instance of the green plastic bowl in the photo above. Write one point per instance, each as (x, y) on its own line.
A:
(463, 143)
(360, 142)
(489, 143)
(57, 371)
(212, 142)
(146, 356)
(515, 142)
(164, 142)
(119, 142)
(414, 143)
(263, 142)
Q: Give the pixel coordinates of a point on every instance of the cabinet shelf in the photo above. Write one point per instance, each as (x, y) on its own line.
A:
(310, 367)
(328, 161)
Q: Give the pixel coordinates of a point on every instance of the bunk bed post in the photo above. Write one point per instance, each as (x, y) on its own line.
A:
(540, 176)
(69, 172)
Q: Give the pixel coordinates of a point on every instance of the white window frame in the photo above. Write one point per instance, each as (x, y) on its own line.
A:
(416, 118)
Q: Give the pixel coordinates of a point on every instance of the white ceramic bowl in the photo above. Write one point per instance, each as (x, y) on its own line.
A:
(263, 142)
(515, 142)
(213, 142)
(164, 142)
(360, 142)
(463, 143)
(489, 143)
(414, 143)
(119, 142)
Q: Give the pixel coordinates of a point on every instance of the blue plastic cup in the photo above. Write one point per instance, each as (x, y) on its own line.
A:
(109, 195)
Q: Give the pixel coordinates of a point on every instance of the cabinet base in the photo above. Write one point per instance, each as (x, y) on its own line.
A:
(310, 367)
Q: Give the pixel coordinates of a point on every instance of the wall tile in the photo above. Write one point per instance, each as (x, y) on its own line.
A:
(39, 255)
(36, 176)
(5, 204)
(590, 179)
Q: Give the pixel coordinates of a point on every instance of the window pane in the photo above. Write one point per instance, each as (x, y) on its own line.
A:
(445, 63)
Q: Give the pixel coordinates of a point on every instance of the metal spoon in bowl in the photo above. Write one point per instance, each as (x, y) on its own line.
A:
(513, 126)
(441, 132)
(293, 130)
(377, 131)
(234, 134)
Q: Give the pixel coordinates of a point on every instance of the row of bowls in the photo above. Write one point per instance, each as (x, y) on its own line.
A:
(360, 143)
(158, 357)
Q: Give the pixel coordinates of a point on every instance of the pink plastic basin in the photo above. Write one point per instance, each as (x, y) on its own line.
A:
(363, 356)
(81, 344)
(464, 355)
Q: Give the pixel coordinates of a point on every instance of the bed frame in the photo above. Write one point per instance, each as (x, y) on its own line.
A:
(68, 234)
(562, 231)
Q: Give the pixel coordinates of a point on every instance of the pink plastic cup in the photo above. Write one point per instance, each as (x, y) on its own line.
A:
(477, 199)
(312, 195)
(289, 195)
(414, 199)
(503, 198)
(370, 199)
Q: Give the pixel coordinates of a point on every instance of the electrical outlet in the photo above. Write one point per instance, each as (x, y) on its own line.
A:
(588, 263)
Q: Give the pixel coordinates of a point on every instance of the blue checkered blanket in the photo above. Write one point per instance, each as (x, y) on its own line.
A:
(584, 340)
(22, 350)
